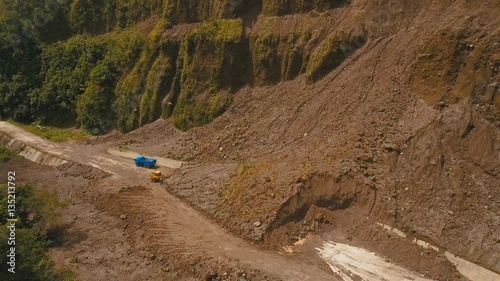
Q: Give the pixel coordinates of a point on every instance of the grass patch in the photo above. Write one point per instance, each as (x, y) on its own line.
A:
(37, 213)
(249, 182)
(329, 55)
(6, 154)
(53, 133)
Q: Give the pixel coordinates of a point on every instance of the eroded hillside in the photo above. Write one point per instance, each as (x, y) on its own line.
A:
(401, 127)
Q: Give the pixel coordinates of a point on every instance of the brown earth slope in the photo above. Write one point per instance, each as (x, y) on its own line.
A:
(404, 131)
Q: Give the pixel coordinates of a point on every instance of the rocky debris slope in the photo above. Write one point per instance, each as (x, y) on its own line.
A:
(404, 130)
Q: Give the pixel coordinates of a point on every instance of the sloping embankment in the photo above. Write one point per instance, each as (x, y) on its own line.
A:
(30, 153)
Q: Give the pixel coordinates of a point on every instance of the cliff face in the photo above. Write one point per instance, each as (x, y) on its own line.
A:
(191, 58)
(194, 55)
(199, 53)
(218, 57)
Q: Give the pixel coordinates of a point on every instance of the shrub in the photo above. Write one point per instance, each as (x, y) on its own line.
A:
(36, 213)
(6, 154)
(94, 107)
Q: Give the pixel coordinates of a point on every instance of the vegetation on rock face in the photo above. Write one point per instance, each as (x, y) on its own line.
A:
(283, 7)
(157, 83)
(6, 154)
(133, 85)
(333, 51)
(206, 10)
(449, 64)
(97, 16)
(129, 77)
(277, 57)
(449, 68)
(208, 60)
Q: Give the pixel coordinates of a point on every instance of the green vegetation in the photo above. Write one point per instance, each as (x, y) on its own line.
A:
(159, 78)
(65, 69)
(36, 213)
(100, 65)
(131, 106)
(93, 96)
(6, 154)
(208, 57)
(53, 133)
(91, 16)
(278, 57)
(283, 7)
(335, 48)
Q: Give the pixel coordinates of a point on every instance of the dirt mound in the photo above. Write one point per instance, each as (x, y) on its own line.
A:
(324, 191)
(75, 170)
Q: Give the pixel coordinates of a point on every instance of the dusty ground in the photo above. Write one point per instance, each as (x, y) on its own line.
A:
(92, 243)
(166, 238)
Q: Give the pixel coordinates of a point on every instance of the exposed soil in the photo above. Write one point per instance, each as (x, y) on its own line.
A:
(362, 142)
(91, 243)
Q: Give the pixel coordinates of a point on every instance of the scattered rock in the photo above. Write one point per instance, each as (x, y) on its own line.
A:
(257, 224)
(389, 147)
(319, 217)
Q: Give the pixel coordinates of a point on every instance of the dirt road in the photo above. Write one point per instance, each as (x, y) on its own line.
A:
(168, 223)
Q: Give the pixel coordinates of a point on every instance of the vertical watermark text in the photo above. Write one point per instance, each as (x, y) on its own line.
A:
(11, 221)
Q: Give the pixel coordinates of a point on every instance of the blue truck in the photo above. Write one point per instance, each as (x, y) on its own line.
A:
(145, 162)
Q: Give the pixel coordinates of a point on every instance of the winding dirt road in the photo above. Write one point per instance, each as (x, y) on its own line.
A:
(171, 225)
